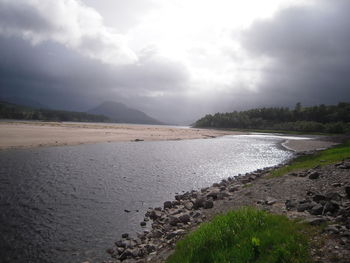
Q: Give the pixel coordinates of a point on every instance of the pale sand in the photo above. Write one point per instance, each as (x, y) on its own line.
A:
(35, 134)
(308, 145)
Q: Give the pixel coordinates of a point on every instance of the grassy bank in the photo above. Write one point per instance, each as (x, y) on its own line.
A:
(332, 155)
(245, 235)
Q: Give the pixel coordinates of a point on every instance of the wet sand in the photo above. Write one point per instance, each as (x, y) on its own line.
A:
(18, 134)
(308, 145)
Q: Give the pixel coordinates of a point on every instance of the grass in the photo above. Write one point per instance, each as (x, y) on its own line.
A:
(246, 235)
(321, 158)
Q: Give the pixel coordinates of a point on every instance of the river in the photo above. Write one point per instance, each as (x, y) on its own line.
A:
(67, 204)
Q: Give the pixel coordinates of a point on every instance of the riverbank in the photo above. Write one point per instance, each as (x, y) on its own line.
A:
(317, 195)
(16, 134)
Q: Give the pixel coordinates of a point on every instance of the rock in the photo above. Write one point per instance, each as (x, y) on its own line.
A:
(270, 201)
(331, 207)
(167, 204)
(143, 223)
(125, 235)
(332, 229)
(188, 205)
(175, 233)
(317, 210)
(318, 197)
(156, 233)
(184, 218)
(198, 203)
(155, 214)
(333, 196)
(234, 188)
(213, 194)
(126, 254)
(305, 206)
(315, 221)
(222, 195)
(291, 204)
(208, 204)
(173, 220)
(347, 191)
(150, 248)
(110, 251)
(314, 175)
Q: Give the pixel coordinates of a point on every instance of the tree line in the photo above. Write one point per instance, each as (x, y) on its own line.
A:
(321, 118)
(17, 112)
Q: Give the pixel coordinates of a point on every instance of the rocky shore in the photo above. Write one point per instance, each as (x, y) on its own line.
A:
(318, 195)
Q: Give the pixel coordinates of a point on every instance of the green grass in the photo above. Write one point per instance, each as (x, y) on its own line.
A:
(321, 158)
(246, 235)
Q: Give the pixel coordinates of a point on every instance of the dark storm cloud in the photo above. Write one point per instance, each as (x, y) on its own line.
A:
(59, 77)
(309, 51)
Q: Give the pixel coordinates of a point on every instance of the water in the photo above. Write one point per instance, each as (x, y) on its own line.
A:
(66, 204)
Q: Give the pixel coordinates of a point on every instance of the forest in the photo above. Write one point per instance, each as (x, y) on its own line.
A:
(18, 112)
(321, 118)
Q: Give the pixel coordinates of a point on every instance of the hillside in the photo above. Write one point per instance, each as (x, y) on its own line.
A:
(119, 112)
(20, 112)
(322, 118)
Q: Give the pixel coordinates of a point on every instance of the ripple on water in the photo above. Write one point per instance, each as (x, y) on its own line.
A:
(66, 204)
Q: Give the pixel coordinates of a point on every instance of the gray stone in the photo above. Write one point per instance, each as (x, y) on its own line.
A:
(208, 204)
(270, 201)
(317, 210)
(291, 204)
(173, 220)
(198, 203)
(184, 218)
(314, 175)
(188, 205)
(126, 254)
(167, 204)
(305, 206)
(155, 214)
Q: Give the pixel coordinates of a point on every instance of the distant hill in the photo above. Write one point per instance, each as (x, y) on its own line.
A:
(24, 102)
(322, 118)
(21, 112)
(119, 112)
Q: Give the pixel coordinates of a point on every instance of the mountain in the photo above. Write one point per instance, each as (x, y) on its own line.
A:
(119, 112)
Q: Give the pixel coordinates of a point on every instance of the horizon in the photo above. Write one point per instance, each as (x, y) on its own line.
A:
(176, 61)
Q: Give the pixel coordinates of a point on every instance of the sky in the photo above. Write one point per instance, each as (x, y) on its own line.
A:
(176, 60)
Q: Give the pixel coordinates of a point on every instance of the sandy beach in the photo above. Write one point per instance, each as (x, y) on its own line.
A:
(18, 134)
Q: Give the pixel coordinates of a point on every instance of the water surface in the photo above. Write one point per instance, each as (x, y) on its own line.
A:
(66, 204)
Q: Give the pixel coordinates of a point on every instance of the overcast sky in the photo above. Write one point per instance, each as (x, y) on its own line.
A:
(176, 60)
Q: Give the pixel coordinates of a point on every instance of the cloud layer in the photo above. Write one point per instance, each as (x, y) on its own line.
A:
(68, 22)
(62, 54)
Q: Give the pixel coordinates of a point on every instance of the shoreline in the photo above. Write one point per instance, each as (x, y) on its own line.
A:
(17, 134)
(283, 195)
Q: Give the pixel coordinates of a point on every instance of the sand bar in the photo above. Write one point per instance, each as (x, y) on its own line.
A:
(18, 134)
